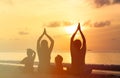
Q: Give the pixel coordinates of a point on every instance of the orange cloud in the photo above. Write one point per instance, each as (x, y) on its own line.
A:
(58, 23)
(97, 24)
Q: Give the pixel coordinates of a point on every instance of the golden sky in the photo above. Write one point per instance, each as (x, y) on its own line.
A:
(23, 21)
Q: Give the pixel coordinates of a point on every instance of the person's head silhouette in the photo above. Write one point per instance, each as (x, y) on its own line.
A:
(58, 62)
(77, 43)
(44, 43)
(58, 59)
(29, 52)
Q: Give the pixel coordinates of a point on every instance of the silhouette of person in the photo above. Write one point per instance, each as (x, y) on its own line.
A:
(44, 52)
(58, 62)
(78, 51)
(29, 60)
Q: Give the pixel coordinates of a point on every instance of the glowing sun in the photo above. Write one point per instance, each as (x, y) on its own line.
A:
(71, 29)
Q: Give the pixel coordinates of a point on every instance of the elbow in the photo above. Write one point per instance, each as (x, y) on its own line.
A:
(34, 53)
(71, 40)
(84, 42)
(38, 40)
(52, 41)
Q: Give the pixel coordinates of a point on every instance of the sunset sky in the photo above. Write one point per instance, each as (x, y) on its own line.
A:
(23, 21)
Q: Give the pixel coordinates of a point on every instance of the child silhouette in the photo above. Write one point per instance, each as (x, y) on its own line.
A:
(58, 62)
(29, 60)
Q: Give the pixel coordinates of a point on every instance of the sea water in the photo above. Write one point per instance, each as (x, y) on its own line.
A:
(91, 57)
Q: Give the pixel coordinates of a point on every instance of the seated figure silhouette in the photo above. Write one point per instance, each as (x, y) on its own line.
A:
(59, 65)
(78, 51)
(29, 60)
(44, 52)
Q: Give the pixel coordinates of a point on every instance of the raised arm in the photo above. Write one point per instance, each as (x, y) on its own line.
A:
(34, 55)
(83, 37)
(51, 40)
(72, 38)
(38, 41)
(23, 61)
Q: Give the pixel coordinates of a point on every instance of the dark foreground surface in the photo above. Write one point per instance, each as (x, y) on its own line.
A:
(10, 71)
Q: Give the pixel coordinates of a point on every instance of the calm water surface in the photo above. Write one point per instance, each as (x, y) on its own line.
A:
(91, 57)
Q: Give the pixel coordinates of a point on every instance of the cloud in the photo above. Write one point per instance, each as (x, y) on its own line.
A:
(67, 23)
(58, 23)
(101, 3)
(87, 23)
(102, 24)
(53, 24)
(97, 24)
(116, 1)
(23, 33)
(10, 2)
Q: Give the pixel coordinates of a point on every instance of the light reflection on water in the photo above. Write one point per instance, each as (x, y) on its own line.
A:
(91, 57)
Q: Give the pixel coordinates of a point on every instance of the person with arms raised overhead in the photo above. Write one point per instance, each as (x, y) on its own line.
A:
(78, 51)
(44, 52)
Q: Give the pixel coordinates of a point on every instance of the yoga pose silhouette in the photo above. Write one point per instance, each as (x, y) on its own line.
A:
(44, 52)
(78, 51)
